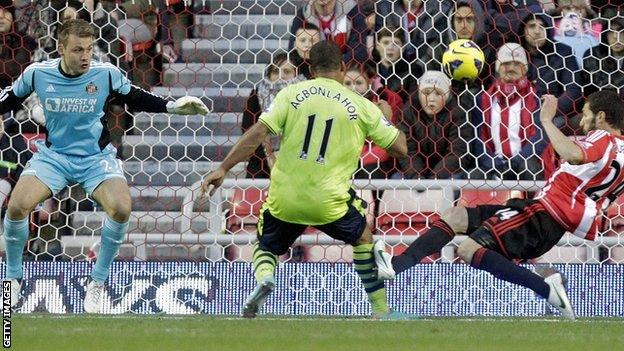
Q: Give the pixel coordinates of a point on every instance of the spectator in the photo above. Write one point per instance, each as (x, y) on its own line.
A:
(340, 21)
(575, 27)
(34, 18)
(510, 139)
(376, 163)
(607, 8)
(278, 75)
(582, 8)
(552, 66)
(467, 20)
(421, 22)
(603, 65)
(436, 130)
(305, 36)
(368, 9)
(506, 15)
(177, 21)
(15, 47)
(394, 71)
(146, 46)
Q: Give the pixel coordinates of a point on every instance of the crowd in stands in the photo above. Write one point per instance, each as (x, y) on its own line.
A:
(488, 128)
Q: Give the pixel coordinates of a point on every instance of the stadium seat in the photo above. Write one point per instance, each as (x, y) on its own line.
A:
(474, 197)
(245, 210)
(410, 211)
(242, 217)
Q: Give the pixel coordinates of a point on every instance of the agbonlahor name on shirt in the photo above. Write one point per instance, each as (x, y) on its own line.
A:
(314, 90)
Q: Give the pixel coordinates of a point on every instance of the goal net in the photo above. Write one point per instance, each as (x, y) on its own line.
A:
(482, 144)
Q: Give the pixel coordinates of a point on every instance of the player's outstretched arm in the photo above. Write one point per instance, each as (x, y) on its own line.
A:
(398, 149)
(241, 151)
(9, 101)
(141, 100)
(566, 148)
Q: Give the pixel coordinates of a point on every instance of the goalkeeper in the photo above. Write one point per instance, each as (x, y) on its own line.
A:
(73, 91)
(323, 127)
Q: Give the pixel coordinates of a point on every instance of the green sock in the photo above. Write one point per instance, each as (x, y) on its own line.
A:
(264, 263)
(364, 264)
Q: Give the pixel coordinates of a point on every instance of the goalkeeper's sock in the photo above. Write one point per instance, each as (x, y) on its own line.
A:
(502, 268)
(15, 236)
(264, 263)
(112, 237)
(429, 243)
(364, 264)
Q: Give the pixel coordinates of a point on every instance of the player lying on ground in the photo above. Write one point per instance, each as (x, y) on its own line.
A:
(73, 91)
(590, 177)
(323, 127)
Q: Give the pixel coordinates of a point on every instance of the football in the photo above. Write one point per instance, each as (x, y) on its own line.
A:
(463, 60)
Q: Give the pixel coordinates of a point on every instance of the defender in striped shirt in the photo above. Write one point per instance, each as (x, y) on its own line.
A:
(590, 177)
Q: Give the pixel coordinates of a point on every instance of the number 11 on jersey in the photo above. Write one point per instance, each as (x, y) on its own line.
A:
(306, 142)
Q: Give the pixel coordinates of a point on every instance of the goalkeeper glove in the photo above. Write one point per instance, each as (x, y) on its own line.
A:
(187, 105)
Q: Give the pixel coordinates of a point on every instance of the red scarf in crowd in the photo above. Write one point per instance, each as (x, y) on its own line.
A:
(507, 95)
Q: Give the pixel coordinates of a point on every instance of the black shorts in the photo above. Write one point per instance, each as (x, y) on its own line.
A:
(277, 236)
(520, 229)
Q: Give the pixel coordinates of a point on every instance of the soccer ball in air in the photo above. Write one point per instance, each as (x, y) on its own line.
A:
(463, 60)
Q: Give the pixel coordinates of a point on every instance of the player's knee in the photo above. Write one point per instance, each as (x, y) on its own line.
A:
(456, 218)
(19, 208)
(365, 238)
(121, 212)
(467, 249)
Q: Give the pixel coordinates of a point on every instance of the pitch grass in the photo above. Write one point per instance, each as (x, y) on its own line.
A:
(131, 332)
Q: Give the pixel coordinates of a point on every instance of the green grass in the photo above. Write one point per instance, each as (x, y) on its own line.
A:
(130, 332)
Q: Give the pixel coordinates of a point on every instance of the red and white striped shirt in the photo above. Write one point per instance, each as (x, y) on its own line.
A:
(576, 195)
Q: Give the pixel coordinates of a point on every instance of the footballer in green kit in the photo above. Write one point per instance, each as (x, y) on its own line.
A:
(323, 126)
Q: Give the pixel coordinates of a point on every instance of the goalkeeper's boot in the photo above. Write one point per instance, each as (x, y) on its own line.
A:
(558, 296)
(383, 261)
(258, 297)
(16, 289)
(93, 299)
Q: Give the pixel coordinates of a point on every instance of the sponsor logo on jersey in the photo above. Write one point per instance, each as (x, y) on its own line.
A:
(91, 88)
(71, 105)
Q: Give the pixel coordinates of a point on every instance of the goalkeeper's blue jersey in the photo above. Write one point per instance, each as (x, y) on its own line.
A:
(73, 105)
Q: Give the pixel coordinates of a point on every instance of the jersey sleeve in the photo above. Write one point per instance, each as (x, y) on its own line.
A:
(379, 129)
(594, 145)
(24, 84)
(274, 117)
(118, 81)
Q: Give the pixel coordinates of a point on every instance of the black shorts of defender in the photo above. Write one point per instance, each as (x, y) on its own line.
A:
(277, 236)
(520, 229)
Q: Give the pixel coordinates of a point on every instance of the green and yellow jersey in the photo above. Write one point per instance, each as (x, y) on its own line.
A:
(323, 126)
